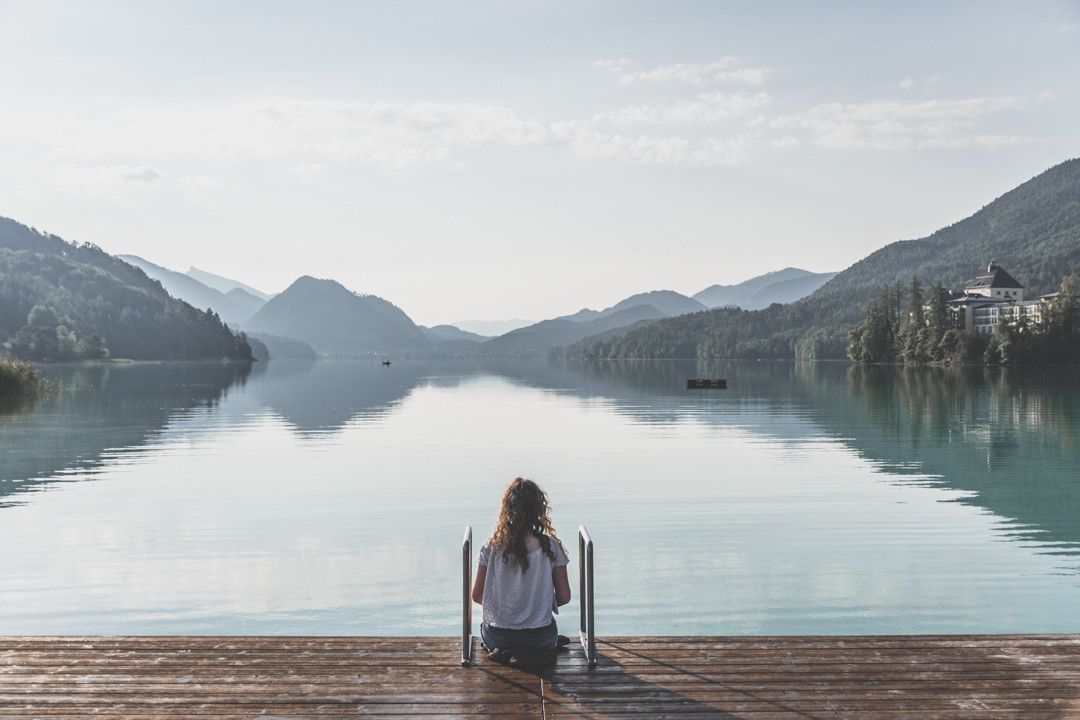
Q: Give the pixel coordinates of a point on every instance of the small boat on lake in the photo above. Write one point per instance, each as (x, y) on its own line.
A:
(386, 363)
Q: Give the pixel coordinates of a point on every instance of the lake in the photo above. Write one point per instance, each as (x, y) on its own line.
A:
(329, 497)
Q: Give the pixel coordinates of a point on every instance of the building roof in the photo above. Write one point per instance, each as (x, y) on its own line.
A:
(995, 277)
(976, 298)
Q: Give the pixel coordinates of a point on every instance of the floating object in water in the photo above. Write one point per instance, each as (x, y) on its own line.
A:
(706, 384)
(386, 362)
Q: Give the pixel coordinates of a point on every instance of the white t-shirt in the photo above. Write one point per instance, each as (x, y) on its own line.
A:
(518, 600)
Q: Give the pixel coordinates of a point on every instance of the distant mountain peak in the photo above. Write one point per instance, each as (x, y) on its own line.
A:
(491, 328)
(778, 286)
(223, 284)
(335, 320)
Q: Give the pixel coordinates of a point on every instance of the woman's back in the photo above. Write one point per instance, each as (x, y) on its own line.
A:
(517, 598)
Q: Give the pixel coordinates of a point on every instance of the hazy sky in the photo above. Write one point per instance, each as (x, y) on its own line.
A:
(518, 159)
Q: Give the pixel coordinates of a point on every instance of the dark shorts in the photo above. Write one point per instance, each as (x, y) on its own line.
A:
(513, 641)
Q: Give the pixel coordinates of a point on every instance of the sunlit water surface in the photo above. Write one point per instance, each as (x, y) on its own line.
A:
(330, 497)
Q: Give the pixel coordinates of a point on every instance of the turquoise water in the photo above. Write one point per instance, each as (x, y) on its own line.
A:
(330, 497)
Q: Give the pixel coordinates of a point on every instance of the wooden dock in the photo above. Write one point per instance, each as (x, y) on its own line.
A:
(1029, 677)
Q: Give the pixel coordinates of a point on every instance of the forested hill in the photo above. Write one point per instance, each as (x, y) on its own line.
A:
(1033, 231)
(64, 301)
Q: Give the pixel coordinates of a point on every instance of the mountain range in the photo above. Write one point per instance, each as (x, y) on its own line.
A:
(780, 286)
(1033, 231)
(224, 284)
(235, 305)
(446, 333)
(322, 316)
(668, 302)
(491, 328)
(540, 338)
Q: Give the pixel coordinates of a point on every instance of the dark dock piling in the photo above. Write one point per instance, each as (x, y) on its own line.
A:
(706, 384)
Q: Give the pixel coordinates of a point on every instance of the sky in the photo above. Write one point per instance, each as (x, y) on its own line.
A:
(488, 160)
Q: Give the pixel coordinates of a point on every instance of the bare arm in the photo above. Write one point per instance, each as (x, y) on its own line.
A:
(562, 585)
(478, 584)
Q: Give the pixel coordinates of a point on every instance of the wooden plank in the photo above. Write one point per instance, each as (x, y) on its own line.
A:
(1029, 676)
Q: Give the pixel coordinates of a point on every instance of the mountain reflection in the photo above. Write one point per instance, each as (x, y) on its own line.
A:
(1006, 439)
(1005, 435)
(100, 408)
(323, 396)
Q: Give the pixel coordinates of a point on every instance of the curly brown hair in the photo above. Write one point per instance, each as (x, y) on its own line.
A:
(524, 511)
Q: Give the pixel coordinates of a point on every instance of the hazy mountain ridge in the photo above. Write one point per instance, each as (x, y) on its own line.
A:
(1033, 231)
(491, 328)
(245, 300)
(225, 285)
(540, 338)
(787, 291)
(234, 308)
(668, 302)
(782, 286)
(335, 320)
(444, 333)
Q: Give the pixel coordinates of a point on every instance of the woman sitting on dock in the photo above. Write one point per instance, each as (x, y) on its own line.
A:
(521, 580)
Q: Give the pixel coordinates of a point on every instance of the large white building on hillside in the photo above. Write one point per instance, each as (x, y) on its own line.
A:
(991, 296)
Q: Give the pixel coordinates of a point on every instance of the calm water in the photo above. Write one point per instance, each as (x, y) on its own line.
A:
(329, 497)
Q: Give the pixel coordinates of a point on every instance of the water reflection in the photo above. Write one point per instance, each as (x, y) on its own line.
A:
(320, 397)
(1007, 438)
(13, 407)
(101, 408)
(319, 497)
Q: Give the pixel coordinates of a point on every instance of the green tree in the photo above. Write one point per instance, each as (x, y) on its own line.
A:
(908, 336)
(92, 348)
(1061, 322)
(42, 316)
(875, 340)
(938, 324)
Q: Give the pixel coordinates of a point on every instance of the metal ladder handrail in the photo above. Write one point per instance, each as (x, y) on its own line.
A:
(466, 598)
(586, 600)
(587, 629)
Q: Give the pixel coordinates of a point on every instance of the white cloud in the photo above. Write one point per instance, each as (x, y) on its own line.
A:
(292, 133)
(614, 65)
(705, 108)
(589, 143)
(144, 174)
(901, 125)
(728, 69)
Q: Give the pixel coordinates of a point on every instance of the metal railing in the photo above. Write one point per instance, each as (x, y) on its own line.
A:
(585, 597)
(466, 597)
(587, 629)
